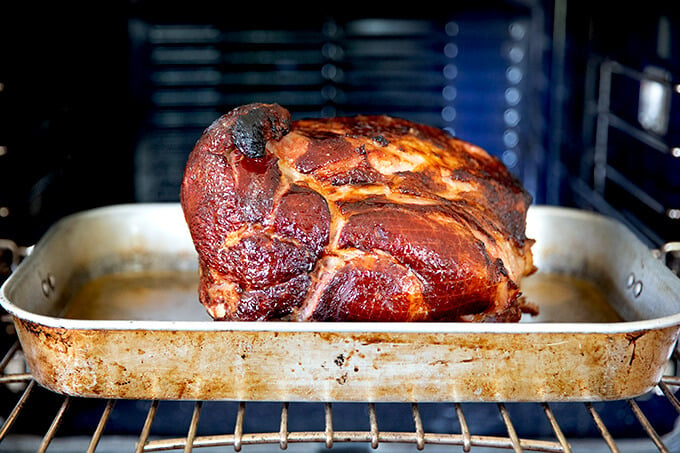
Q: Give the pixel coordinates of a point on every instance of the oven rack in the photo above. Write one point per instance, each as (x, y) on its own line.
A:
(649, 136)
(29, 393)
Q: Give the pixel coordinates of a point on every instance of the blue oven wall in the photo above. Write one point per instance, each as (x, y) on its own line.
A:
(473, 70)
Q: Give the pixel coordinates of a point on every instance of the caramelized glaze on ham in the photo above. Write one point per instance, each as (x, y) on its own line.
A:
(368, 218)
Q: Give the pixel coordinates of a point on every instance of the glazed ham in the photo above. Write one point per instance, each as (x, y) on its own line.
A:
(368, 218)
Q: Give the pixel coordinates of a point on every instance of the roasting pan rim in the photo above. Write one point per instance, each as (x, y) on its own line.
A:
(343, 327)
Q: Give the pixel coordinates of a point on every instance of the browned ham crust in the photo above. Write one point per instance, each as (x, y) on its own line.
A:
(366, 218)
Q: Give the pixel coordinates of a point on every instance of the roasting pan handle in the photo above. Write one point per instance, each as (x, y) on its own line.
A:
(669, 254)
(11, 255)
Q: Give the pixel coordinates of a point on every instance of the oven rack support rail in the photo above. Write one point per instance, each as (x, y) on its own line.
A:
(651, 131)
(419, 436)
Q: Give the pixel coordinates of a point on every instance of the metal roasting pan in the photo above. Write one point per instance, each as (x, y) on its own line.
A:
(181, 354)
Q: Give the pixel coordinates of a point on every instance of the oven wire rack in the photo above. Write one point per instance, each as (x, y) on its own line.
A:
(30, 393)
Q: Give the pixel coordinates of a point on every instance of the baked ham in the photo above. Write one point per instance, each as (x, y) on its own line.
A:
(366, 218)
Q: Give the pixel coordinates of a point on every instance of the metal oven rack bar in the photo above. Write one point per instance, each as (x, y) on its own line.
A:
(648, 128)
(283, 438)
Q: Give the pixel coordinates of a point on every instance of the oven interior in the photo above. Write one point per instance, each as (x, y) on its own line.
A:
(101, 103)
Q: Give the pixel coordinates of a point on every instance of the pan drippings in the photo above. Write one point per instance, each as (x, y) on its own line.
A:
(171, 295)
(147, 295)
(564, 298)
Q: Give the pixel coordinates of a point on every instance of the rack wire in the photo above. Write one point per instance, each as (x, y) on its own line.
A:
(284, 438)
(626, 140)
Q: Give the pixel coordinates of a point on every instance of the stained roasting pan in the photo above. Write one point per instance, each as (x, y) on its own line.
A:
(610, 318)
